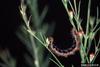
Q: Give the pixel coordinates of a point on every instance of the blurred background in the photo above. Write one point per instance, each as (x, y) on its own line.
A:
(10, 20)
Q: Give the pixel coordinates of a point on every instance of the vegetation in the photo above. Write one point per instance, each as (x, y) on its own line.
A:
(33, 33)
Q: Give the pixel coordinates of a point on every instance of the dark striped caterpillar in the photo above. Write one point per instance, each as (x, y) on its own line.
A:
(70, 51)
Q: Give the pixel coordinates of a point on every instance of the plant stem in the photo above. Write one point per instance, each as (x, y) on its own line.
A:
(46, 47)
(35, 52)
(88, 18)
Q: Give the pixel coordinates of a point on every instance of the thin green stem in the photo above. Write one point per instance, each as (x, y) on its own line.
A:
(97, 15)
(71, 7)
(79, 10)
(55, 62)
(89, 45)
(98, 43)
(75, 6)
(35, 52)
(42, 37)
(84, 55)
(88, 18)
(45, 46)
(95, 27)
(82, 51)
(85, 41)
(55, 57)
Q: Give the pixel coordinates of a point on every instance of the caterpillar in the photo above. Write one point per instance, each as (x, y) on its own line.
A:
(70, 51)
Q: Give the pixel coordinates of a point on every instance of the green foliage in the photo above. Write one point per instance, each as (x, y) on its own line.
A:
(33, 33)
(91, 29)
(7, 59)
(34, 36)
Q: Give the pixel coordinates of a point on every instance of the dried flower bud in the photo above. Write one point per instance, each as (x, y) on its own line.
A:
(49, 40)
(80, 33)
(36, 62)
(71, 14)
(91, 56)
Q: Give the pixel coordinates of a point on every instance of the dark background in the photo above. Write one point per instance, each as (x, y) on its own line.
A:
(10, 21)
